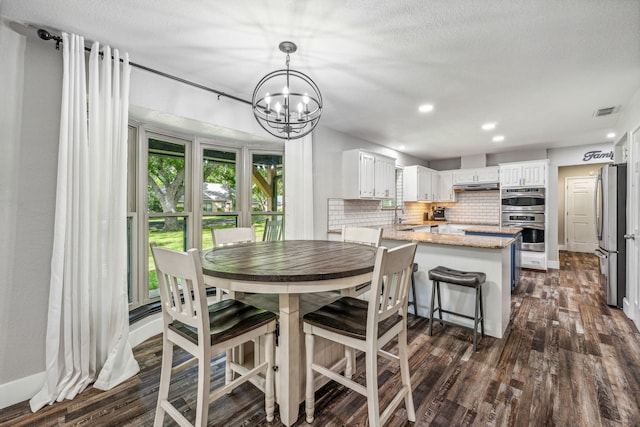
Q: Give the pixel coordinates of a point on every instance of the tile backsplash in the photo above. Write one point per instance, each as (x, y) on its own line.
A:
(475, 207)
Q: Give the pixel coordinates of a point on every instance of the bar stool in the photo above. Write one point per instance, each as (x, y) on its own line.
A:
(413, 290)
(461, 278)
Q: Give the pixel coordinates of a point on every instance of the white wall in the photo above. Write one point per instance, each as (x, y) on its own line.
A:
(31, 196)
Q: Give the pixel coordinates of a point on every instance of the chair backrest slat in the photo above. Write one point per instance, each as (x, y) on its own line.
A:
(182, 291)
(272, 230)
(362, 235)
(233, 236)
(390, 284)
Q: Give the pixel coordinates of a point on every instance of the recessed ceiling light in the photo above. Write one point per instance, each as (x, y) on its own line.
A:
(489, 126)
(498, 138)
(611, 135)
(425, 108)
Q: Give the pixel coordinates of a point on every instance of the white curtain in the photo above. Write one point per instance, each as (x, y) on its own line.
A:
(298, 184)
(88, 328)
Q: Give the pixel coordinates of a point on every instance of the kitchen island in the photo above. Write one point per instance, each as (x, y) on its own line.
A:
(490, 255)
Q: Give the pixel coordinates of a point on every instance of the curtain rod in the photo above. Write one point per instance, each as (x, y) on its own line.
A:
(46, 35)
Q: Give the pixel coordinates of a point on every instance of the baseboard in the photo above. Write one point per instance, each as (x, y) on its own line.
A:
(25, 388)
(626, 308)
(562, 247)
(145, 328)
(21, 389)
(553, 264)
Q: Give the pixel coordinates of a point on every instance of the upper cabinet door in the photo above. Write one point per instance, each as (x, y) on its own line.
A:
(476, 176)
(367, 175)
(418, 184)
(534, 174)
(385, 178)
(526, 174)
(488, 174)
(510, 175)
(464, 176)
(445, 193)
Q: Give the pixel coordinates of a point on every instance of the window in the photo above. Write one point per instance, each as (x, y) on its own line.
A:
(168, 200)
(267, 190)
(219, 191)
(171, 177)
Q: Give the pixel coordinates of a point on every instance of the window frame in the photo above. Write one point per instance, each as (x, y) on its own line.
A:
(137, 210)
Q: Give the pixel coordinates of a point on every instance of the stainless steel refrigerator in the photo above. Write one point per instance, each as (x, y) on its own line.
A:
(611, 225)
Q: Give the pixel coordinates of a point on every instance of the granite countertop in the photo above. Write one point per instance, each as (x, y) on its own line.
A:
(397, 232)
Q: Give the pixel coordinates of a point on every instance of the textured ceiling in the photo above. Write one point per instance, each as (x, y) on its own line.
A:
(538, 68)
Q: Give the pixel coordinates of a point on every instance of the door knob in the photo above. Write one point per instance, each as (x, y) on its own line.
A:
(630, 236)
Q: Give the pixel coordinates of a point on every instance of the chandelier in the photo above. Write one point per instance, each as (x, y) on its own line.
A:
(287, 103)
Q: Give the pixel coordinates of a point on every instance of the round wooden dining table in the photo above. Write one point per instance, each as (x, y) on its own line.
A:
(289, 268)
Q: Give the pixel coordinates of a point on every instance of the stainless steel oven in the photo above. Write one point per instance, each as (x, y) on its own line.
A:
(532, 225)
(522, 199)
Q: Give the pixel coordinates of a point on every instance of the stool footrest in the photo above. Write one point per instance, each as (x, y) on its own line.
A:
(449, 323)
(456, 314)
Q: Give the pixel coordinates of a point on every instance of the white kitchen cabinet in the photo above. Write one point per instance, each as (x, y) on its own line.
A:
(367, 175)
(525, 174)
(445, 193)
(384, 178)
(476, 176)
(418, 183)
(534, 260)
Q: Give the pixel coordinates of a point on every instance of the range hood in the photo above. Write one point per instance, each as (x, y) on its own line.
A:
(476, 187)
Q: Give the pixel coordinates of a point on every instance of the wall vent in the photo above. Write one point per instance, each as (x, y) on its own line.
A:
(606, 111)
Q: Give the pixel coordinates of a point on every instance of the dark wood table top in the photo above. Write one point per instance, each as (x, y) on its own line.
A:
(289, 261)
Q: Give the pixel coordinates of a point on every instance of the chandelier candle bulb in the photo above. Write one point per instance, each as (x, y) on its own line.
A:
(278, 108)
(267, 99)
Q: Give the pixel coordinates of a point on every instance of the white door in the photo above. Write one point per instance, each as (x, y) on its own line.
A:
(579, 223)
(633, 230)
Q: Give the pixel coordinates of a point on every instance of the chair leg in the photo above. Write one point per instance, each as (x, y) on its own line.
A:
(348, 354)
(165, 380)
(481, 313)
(269, 387)
(228, 373)
(310, 389)
(439, 301)
(373, 403)
(405, 374)
(475, 321)
(433, 299)
(413, 293)
(204, 379)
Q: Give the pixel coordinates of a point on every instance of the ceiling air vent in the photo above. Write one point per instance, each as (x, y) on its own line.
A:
(606, 111)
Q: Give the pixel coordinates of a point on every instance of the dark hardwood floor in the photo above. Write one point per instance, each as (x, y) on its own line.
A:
(567, 360)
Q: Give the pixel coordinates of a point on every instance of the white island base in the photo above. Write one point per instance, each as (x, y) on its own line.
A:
(496, 291)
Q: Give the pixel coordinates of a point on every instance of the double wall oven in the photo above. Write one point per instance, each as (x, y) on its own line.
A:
(524, 208)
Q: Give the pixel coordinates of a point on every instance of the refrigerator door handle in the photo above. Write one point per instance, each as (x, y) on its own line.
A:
(597, 206)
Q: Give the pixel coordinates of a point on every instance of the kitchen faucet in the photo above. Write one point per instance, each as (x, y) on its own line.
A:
(396, 219)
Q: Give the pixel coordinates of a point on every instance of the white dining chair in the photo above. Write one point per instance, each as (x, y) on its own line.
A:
(364, 236)
(205, 331)
(232, 236)
(272, 230)
(368, 327)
